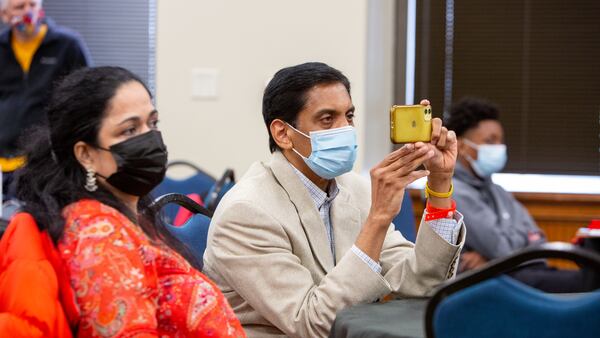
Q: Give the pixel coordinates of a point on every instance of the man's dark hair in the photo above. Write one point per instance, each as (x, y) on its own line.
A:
(468, 112)
(285, 95)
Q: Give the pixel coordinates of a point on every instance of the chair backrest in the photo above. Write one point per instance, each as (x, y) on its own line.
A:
(220, 188)
(405, 220)
(485, 303)
(194, 232)
(199, 183)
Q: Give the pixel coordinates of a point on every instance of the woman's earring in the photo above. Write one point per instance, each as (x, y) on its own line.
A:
(90, 181)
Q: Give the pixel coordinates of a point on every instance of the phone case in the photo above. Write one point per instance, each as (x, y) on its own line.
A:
(409, 124)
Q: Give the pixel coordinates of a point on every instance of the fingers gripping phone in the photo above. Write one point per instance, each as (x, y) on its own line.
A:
(409, 124)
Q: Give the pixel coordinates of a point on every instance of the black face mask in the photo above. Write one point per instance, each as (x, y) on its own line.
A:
(141, 163)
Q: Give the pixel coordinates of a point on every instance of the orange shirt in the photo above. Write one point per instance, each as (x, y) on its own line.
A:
(25, 50)
(35, 297)
(127, 284)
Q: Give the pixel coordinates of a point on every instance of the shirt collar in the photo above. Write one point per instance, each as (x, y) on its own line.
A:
(319, 196)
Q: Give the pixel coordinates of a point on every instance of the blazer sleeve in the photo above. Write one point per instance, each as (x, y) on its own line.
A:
(251, 251)
(115, 292)
(413, 270)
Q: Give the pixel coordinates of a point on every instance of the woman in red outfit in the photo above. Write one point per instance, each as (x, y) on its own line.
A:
(85, 183)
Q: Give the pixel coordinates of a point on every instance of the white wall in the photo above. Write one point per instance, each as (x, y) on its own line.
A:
(381, 62)
(247, 41)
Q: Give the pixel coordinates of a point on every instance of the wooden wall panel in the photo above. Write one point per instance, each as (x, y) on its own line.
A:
(559, 215)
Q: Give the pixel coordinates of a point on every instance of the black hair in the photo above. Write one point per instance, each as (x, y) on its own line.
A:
(468, 112)
(285, 95)
(53, 178)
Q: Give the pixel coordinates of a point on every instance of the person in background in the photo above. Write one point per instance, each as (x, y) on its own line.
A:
(497, 223)
(34, 53)
(86, 182)
(301, 237)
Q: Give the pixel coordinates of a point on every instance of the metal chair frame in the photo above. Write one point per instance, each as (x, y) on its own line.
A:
(180, 200)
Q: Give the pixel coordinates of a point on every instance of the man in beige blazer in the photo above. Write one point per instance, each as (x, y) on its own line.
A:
(301, 237)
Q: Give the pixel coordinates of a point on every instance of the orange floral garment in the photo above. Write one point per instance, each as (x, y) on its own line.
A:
(127, 285)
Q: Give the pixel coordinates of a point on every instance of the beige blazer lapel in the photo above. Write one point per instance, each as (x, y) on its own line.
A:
(345, 219)
(305, 206)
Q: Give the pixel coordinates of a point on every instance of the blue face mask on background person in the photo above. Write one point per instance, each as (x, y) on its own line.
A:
(491, 158)
(333, 151)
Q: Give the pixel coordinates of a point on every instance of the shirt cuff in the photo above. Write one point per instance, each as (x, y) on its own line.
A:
(447, 228)
(368, 260)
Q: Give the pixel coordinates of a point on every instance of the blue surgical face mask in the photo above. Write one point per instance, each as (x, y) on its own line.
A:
(333, 151)
(491, 158)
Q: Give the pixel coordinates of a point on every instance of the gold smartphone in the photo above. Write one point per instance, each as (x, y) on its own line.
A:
(409, 124)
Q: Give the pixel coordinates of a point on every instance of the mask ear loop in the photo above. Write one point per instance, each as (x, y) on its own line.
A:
(472, 161)
(296, 151)
(298, 131)
(474, 146)
(471, 144)
(301, 133)
(104, 149)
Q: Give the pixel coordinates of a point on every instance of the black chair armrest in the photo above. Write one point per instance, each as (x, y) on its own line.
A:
(181, 200)
(212, 199)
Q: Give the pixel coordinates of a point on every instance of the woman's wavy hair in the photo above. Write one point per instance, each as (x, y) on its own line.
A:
(53, 177)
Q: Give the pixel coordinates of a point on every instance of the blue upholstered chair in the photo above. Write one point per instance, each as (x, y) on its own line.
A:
(405, 220)
(486, 303)
(200, 183)
(192, 233)
(219, 189)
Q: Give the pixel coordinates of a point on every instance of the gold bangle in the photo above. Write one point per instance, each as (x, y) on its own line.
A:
(429, 192)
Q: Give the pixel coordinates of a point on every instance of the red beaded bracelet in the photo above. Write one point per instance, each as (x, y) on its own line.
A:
(433, 213)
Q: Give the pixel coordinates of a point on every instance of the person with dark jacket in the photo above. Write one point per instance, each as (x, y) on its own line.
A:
(497, 224)
(34, 53)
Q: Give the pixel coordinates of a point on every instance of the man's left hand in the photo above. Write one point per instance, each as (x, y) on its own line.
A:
(444, 144)
(441, 165)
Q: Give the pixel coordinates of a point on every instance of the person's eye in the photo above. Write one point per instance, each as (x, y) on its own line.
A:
(350, 117)
(129, 131)
(154, 124)
(327, 119)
